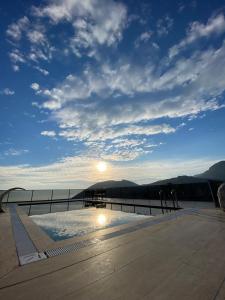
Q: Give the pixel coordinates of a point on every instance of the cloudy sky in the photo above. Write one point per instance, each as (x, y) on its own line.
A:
(139, 85)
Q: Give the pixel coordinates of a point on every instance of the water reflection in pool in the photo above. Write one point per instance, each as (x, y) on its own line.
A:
(63, 225)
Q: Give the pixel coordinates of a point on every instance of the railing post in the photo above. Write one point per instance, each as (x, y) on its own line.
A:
(51, 202)
(161, 199)
(31, 199)
(7, 198)
(172, 196)
(166, 205)
(68, 200)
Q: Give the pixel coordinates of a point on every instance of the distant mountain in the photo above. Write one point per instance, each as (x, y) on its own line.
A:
(179, 180)
(216, 172)
(112, 184)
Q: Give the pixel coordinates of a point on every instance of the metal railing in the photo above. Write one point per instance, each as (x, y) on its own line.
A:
(103, 203)
(47, 201)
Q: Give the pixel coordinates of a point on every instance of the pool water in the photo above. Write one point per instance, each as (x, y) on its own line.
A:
(64, 225)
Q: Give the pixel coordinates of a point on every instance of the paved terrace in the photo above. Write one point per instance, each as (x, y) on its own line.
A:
(178, 258)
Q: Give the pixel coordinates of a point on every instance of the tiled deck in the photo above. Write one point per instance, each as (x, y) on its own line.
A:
(180, 258)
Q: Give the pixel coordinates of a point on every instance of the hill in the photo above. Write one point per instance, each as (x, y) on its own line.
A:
(216, 172)
(112, 184)
(179, 180)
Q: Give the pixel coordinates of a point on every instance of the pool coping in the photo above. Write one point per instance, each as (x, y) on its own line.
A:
(42, 240)
(25, 247)
(37, 245)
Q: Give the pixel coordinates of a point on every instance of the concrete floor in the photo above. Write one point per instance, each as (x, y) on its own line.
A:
(183, 258)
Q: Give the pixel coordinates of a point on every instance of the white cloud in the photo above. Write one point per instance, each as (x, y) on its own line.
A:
(119, 149)
(124, 154)
(164, 25)
(143, 38)
(81, 172)
(15, 152)
(36, 36)
(41, 52)
(43, 71)
(7, 92)
(15, 30)
(115, 132)
(194, 90)
(181, 7)
(123, 99)
(50, 133)
(214, 26)
(109, 101)
(15, 68)
(35, 86)
(30, 43)
(95, 22)
(36, 104)
(16, 56)
(116, 143)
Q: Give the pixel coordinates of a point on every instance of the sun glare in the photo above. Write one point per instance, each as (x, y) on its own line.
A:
(102, 166)
(101, 219)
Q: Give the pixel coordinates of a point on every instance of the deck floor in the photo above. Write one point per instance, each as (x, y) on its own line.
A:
(182, 258)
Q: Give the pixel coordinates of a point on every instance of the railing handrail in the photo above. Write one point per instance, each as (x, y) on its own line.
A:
(7, 192)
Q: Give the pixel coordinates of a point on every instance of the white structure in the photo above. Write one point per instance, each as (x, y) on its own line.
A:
(221, 196)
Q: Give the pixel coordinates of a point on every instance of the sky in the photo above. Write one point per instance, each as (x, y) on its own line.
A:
(138, 85)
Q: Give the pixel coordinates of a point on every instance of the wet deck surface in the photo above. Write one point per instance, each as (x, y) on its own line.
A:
(180, 258)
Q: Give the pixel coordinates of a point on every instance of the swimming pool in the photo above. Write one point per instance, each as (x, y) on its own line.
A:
(64, 225)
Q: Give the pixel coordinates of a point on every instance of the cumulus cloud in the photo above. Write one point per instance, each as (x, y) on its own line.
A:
(7, 92)
(35, 86)
(50, 133)
(214, 26)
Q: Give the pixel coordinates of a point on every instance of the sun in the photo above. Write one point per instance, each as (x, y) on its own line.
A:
(101, 166)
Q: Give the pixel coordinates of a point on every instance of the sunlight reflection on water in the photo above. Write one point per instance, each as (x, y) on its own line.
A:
(63, 225)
